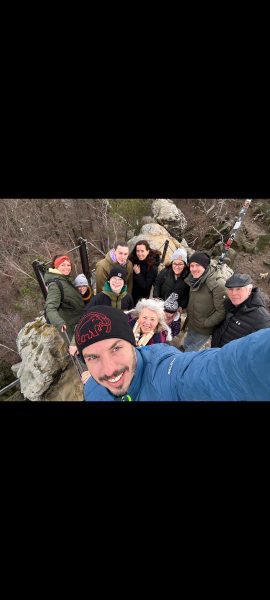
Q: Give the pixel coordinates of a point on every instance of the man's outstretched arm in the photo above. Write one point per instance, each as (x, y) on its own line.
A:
(238, 371)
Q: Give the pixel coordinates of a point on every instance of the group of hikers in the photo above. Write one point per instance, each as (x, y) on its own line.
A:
(127, 334)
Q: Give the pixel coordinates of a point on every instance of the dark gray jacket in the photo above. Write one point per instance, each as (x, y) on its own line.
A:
(241, 320)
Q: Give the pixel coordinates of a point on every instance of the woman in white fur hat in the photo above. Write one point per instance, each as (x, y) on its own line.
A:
(84, 288)
(148, 322)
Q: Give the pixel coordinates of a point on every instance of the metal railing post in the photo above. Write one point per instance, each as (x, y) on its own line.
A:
(38, 267)
(84, 258)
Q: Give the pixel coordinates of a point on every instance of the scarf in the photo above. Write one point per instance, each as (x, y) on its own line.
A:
(115, 300)
(114, 259)
(141, 339)
(195, 282)
(87, 295)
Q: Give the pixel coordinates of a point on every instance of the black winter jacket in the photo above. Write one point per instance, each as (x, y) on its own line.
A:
(166, 284)
(241, 320)
(143, 282)
(104, 300)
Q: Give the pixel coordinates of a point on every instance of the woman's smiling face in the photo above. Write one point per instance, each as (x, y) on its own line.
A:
(148, 320)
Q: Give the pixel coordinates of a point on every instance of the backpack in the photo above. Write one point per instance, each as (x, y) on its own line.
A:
(223, 270)
(60, 285)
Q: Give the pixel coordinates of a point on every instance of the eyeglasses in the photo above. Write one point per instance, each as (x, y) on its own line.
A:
(178, 264)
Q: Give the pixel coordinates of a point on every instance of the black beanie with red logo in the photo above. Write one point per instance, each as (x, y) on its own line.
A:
(102, 323)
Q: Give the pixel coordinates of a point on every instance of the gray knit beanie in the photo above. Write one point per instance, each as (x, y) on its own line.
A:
(179, 253)
(80, 280)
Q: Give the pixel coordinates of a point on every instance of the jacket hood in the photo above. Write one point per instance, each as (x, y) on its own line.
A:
(53, 273)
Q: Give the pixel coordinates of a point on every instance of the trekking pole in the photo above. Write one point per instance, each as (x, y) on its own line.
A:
(185, 324)
(75, 360)
(234, 230)
(164, 251)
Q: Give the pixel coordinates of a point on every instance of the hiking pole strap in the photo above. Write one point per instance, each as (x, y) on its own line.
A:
(74, 358)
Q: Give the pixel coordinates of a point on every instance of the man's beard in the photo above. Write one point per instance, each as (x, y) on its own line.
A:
(122, 388)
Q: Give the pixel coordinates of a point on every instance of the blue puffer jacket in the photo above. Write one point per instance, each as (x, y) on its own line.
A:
(238, 371)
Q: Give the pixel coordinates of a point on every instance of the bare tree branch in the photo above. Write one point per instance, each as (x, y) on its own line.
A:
(216, 230)
(15, 266)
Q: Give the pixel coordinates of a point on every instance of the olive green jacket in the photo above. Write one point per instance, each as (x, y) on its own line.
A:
(70, 310)
(205, 307)
(103, 268)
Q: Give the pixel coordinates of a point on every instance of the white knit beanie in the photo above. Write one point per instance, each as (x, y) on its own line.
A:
(179, 253)
(80, 280)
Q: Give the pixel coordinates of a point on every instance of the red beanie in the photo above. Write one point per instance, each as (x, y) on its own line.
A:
(58, 261)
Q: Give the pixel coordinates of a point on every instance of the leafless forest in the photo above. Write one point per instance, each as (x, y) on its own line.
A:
(37, 229)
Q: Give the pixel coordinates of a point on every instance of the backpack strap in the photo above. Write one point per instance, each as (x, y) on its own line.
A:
(60, 285)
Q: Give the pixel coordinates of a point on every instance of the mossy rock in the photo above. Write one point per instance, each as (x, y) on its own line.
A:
(260, 207)
(238, 244)
(267, 222)
(265, 208)
(249, 247)
(37, 324)
(263, 243)
(230, 257)
(210, 240)
(217, 250)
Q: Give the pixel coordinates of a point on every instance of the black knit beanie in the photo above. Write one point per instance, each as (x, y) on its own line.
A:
(201, 258)
(118, 271)
(102, 323)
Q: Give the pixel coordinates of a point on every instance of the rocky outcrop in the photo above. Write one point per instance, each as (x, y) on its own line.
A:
(45, 371)
(169, 216)
(224, 269)
(156, 236)
(146, 220)
(217, 234)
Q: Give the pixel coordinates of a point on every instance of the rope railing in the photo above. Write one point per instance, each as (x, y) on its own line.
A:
(8, 387)
(91, 243)
(67, 252)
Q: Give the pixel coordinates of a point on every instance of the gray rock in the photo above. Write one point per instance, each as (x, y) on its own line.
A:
(156, 236)
(224, 269)
(44, 358)
(15, 368)
(169, 216)
(146, 220)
